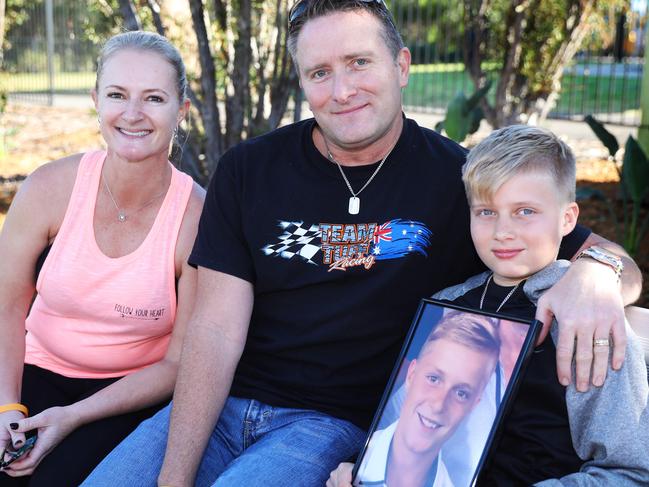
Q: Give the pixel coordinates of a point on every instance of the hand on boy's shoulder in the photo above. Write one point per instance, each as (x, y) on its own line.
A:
(587, 305)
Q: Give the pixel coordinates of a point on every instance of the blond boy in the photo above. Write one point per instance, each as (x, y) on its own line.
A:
(520, 182)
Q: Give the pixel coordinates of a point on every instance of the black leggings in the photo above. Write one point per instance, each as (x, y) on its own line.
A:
(76, 456)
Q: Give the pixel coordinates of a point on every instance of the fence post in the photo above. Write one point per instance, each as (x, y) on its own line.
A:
(49, 29)
(643, 130)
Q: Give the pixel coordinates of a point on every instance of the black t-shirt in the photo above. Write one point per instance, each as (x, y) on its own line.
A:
(534, 441)
(334, 293)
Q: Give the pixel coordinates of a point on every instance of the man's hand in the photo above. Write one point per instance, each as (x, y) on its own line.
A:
(342, 476)
(587, 304)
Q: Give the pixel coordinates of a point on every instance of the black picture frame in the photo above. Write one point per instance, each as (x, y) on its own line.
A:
(430, 408)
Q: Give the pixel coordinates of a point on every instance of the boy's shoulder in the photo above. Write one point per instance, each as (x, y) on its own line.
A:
(544, 279)
(454, 292)
(534, 286)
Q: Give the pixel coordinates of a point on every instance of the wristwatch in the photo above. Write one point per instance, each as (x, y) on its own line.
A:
(605, 257)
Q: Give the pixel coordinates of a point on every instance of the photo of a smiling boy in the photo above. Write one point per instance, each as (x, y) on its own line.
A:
(443, 385)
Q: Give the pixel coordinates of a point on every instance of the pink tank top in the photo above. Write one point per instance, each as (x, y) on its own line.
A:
(96, 316)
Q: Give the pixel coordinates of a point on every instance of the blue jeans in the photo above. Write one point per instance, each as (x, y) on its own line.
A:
(252, 444)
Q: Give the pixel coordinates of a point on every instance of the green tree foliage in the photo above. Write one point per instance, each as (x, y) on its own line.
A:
(240, 73)
(241, 76)
(85, 26)
(634, 187)
(525, 46)
(463, 115)
(432, 29)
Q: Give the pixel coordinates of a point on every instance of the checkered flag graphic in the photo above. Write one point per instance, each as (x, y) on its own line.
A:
(296, 241)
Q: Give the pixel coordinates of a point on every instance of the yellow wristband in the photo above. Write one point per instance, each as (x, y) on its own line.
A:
(14, 406)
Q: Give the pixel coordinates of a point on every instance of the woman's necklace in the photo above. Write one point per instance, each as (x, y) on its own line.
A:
(502, 303)
(121, 213)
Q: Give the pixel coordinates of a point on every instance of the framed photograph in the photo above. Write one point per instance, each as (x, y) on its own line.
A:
(455, 376)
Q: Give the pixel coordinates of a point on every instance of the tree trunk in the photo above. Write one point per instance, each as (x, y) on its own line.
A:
(208, 108)
(511, 63)
(577, 34)
(474, 47)
(131, 21)
(240, 75)
(284, 79)
(474, 39)
(530, 73)
(254, 66)
(188, 160)
(154, 7)
(3, 8)
(221, 14)
(297, 99)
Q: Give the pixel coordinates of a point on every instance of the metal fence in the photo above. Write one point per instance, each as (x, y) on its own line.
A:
(48, 51)
(604, 83)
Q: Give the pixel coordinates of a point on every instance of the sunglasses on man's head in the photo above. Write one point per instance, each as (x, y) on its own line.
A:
(302, 5)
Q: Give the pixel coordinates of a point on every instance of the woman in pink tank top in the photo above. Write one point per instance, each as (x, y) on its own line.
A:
(98, 349)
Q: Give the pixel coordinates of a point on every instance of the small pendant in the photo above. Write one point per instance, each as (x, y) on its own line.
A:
(121, 217)
(354, 205)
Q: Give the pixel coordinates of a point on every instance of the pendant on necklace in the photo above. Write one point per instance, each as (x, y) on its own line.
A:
(121, 217)
(354, 205)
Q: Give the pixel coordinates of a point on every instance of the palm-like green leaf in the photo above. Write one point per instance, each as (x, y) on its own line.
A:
(607, 138)
(635, 171)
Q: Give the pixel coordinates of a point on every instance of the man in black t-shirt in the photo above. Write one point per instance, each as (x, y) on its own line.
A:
(316, 243)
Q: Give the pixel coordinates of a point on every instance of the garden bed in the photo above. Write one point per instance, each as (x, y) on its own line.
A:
(596, 214)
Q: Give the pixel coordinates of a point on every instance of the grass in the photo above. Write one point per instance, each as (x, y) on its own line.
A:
(599, 94)
(435, 88)
(581, 94)
(38, 83)
(436, 68)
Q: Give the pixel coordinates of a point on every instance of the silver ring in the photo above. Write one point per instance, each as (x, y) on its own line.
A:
(601, 342)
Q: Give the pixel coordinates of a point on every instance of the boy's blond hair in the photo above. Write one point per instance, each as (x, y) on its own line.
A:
(477, 332)
(513, 150)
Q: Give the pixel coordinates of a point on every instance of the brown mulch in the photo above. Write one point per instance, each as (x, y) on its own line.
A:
(34, 135)
(596, 214)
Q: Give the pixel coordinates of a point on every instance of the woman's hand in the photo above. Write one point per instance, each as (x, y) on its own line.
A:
(53, 425)
(342, 476)
(10, 439)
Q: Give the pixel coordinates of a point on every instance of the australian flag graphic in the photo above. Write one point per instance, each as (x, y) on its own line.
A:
(398, 238)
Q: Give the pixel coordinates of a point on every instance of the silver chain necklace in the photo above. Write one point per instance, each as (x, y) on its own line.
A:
(354, 201)
(121, 214)
(502, 303)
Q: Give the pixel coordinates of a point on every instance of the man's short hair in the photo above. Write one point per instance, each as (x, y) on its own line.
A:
(513, 150)
(477, 332)
(311, 9)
